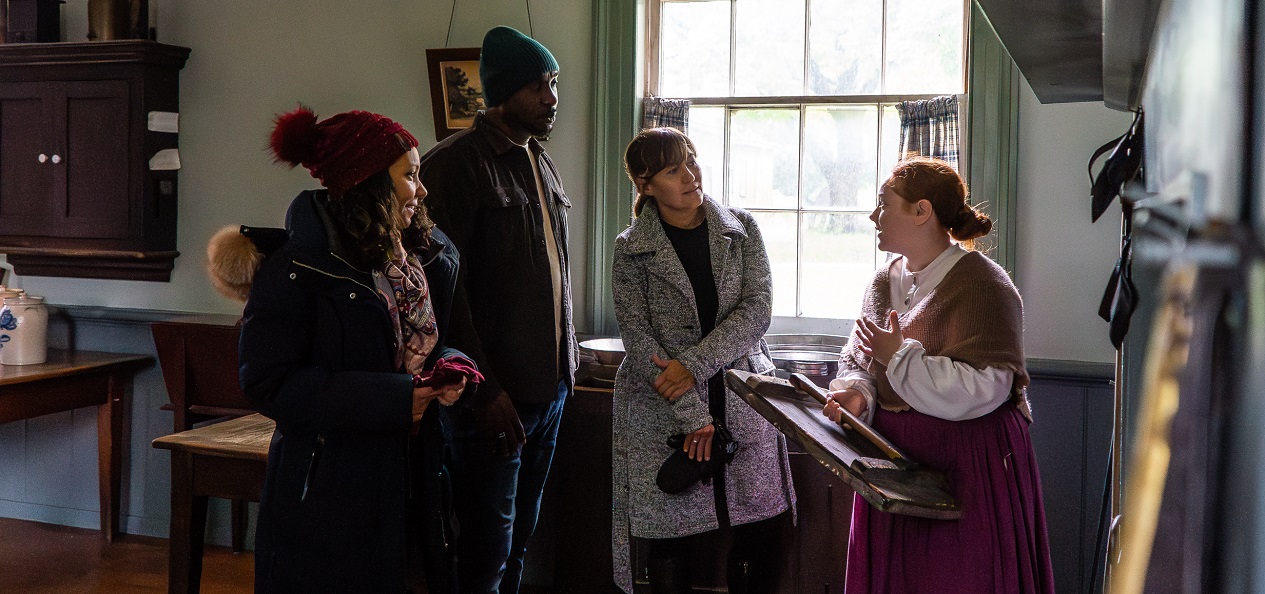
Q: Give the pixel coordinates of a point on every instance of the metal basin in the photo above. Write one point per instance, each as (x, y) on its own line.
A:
(814, 355)
(606, 351)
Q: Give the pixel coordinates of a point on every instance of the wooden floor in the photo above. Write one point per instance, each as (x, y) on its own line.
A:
(49, 559)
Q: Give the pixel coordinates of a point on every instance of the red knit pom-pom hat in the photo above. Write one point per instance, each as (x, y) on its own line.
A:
(341, 151)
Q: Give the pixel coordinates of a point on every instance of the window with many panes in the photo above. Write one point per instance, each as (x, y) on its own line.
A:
(793, 112)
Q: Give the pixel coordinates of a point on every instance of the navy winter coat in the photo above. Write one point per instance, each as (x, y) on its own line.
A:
(318, 356)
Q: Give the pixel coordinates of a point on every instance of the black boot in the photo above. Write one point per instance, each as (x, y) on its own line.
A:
(670, 575)
(738, 577)
(750, 577)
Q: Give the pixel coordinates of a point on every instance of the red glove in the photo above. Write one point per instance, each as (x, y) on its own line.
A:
(446, 371)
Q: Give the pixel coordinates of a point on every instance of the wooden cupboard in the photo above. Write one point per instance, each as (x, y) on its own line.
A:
(571, 550)
(82, 193)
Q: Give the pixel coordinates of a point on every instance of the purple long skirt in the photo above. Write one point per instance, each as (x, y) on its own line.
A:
(1000, 544)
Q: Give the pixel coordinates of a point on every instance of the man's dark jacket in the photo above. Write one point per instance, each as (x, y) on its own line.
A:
(483, 194)
(318, 356)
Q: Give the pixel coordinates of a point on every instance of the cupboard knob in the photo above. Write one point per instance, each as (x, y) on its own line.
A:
(56, 158)
(42, 158)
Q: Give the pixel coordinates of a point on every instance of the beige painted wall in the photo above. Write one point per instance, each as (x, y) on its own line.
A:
(252, 59)
(1063, 261)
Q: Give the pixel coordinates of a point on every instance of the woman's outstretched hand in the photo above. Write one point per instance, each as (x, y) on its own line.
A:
(878, 343)
(675, 380)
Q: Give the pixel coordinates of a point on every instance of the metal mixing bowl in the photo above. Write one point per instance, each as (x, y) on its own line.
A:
(606, 351)
(814, 355)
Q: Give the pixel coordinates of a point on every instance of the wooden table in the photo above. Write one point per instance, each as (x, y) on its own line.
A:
(75, 379)
(225, 459)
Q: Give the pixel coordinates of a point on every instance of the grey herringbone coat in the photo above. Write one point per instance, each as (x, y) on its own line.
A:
(655, 306)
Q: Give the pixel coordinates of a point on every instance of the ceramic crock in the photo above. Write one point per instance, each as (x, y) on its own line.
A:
(23, 330)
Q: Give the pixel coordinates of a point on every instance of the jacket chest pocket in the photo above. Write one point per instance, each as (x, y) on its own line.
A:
(330, 286)
(509, 221)
(345, 312)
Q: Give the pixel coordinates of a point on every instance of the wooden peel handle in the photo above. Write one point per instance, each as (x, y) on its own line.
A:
(803, 383)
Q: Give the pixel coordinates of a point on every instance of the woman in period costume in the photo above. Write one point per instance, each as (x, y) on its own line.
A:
(936, 365)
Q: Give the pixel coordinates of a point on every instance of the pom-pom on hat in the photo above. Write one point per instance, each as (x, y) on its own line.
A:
(341, 151)
(508, 61)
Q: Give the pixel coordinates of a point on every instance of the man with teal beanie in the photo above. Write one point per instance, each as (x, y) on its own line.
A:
(500, 199)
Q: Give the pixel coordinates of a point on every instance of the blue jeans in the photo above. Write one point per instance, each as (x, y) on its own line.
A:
(498, 499)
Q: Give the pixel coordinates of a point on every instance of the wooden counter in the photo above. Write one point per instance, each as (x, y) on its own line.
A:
(571, 551)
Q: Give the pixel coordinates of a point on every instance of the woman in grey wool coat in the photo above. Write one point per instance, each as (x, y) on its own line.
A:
(692, 293)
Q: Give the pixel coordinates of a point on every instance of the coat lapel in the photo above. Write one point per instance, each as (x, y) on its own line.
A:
(647, 237)
(727, 267)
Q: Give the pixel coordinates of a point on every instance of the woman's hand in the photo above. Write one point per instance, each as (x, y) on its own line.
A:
(878, 343)
(850, 399)
(446, 394)
(699, 443)
(449, 393)
(675, 380)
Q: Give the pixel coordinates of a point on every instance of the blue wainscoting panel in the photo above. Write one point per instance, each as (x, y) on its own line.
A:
(1071, 431)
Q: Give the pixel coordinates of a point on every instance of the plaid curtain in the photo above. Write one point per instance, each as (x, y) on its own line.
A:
(929, 128)
(659, 112)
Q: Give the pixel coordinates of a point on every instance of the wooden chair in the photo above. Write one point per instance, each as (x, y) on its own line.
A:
(198, 355)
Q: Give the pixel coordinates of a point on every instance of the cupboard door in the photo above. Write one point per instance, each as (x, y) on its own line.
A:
(820, 551)
(26, 150)
(94, 165)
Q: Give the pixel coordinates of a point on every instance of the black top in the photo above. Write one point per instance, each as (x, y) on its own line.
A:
(694, 251)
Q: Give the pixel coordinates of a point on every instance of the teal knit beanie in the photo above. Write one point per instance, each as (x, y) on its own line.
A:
(508, 61)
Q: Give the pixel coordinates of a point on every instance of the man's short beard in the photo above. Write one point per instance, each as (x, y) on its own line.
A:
(541, 135)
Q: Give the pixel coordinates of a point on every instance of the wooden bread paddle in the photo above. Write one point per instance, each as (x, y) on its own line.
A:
(855, 452)
(801, 382)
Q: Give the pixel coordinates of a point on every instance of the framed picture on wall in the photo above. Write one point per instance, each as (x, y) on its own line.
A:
(456, 93)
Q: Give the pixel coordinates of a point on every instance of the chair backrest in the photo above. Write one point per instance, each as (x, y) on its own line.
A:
(198, 355)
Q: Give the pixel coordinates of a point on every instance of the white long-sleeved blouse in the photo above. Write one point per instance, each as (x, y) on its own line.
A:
(932, 385)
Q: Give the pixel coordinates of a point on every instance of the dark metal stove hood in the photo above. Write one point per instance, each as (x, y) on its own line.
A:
(1077, 50)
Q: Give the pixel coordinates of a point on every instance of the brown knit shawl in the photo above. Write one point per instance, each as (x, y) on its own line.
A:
(975, 316)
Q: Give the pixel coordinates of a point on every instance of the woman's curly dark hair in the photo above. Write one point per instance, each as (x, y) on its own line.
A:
(367, 214)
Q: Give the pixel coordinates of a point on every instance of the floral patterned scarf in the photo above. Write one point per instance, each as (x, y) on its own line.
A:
(411, 312)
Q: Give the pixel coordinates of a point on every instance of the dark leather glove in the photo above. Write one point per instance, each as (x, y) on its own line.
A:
(678, 472)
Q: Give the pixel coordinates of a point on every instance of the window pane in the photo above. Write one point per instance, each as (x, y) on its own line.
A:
(694, 49)
(769, 57)
(889, 154)
(764, 158)
(839, 156)
(924, 46)
(707, 131)
(778, 230)
(837, 264)
(845, 47)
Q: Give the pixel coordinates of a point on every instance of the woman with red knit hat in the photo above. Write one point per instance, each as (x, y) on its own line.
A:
(342, 344)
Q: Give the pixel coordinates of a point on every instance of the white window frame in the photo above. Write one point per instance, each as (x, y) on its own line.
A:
(799, 323)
